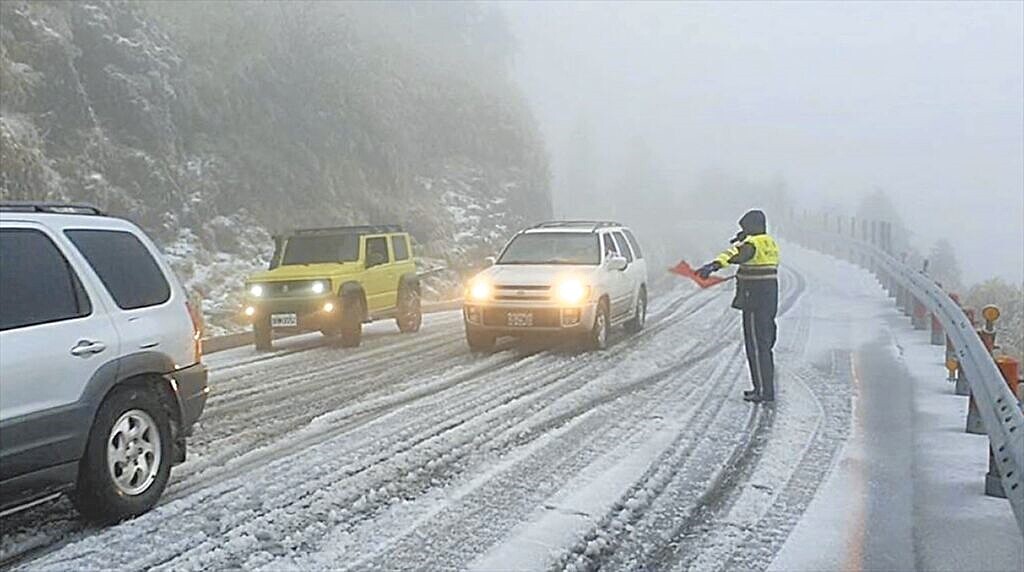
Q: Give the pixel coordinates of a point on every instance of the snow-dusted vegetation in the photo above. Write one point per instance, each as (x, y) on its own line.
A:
(214, 125)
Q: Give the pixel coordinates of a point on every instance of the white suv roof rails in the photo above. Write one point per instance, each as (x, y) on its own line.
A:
(50, 208)
(593, 225)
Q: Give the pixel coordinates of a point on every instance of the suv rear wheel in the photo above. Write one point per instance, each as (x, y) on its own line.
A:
(127, 458)
(410, 314)
(351, 330)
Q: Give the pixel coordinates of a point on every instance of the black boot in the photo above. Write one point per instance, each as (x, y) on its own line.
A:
(751, 396)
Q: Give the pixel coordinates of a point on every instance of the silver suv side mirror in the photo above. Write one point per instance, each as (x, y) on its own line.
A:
(616, 263)
(490, 261)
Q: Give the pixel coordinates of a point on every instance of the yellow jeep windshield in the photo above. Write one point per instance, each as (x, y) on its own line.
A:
(320, 249)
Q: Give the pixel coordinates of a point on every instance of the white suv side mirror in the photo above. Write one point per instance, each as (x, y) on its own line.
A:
(616, 263)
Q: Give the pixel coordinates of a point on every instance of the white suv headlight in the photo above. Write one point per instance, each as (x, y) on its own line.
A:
(480, 291)
(572, 292)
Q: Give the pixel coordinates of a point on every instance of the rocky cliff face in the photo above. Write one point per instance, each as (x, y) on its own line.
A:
(213, 125)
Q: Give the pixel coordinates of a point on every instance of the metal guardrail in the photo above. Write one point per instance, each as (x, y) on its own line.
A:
(997, 405)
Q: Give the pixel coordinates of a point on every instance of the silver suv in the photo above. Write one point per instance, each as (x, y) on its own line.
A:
(567, 278)
(101, 376)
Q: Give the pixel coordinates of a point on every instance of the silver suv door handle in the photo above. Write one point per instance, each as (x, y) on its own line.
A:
(87, 347)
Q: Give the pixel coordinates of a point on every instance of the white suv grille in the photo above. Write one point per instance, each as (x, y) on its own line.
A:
(522, 292)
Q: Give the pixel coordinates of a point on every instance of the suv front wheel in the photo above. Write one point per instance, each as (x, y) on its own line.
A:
(480, 342)
(127, 458)
(263, 335)
(597, 338)
(351, 327)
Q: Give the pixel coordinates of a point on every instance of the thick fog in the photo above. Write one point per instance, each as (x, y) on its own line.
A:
(826, 102)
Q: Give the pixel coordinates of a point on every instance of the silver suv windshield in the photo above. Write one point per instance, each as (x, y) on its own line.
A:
(318, 249)
(552, 248)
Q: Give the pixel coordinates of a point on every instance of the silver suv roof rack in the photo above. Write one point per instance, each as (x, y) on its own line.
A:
(592, 224)
(50, 207)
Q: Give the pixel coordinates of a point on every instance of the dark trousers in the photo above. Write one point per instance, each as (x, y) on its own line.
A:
(759, 338)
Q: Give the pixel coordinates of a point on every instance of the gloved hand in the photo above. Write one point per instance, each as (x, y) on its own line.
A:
(708, 269)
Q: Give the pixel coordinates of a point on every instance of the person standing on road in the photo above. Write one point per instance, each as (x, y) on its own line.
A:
(757, 295)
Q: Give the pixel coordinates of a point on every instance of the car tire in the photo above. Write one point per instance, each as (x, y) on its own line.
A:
(480, 342)
(639, 313)
(263, 335)
(127, 459)
(351, 327)
(410, 311)
(597, 338)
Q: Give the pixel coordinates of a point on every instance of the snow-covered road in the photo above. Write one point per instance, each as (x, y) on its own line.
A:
(411, 453)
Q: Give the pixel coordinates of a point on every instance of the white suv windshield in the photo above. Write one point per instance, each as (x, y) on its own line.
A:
(552, 248)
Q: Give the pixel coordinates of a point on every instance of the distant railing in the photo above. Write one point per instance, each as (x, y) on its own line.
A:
(916, 293)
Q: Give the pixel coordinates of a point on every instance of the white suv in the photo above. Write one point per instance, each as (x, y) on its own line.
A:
(569, 278)
(101, 376)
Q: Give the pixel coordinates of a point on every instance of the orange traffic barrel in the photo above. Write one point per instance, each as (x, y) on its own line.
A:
(1010, 368)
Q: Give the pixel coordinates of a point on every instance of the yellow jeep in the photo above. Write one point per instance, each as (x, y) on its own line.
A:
(333, 280)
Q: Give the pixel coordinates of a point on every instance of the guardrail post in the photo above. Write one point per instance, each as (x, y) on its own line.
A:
(993, 484)
(938, 336)
(962, 386)
(890, 281)
(908, 303)
(974, 423)
(919, 315)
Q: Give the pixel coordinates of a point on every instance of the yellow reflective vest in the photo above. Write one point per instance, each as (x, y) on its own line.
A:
(763, 264)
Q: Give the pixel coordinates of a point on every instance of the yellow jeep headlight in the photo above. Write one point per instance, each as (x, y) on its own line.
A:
(256, 290)
(319, 287)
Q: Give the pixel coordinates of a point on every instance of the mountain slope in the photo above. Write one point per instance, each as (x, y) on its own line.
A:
(215, 124)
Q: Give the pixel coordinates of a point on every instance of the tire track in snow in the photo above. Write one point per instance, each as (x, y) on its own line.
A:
(505, 361)
(593, 429)
(695, 536)
(765, 538)
(592, 403)
(669, 309)
(505, 425)
(693, 477)
(505, 420)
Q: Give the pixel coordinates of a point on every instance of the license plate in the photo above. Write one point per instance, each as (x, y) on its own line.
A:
(284, 320)
(519, 319)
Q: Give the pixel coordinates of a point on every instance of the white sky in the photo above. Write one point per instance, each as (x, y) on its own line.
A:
(925, 100)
